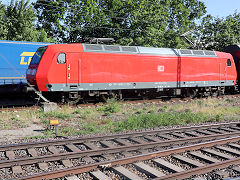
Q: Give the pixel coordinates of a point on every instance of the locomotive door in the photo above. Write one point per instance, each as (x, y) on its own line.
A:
(223, 70)
(73, 61)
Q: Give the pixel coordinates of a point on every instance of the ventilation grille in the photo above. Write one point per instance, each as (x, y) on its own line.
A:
(210, 53)
(146, 50)
(198, 53)
(93, 47)
(129, 49)
(188, 52)
(185, 51)
(112, 48)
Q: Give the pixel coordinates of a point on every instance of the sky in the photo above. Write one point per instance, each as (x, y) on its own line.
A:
(217, 8)
(222, 8)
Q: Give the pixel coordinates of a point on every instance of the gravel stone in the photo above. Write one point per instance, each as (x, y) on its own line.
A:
(98, 144)
(6, 173)
(84, 176)
(78, 162)
(52, 166)
(21, 154)
(81, 147)
(62, 149)
(118, 155)
(31, 169)
(98, 158)
(112, 175)
(42, 151)
(2, 156)
(130, 141)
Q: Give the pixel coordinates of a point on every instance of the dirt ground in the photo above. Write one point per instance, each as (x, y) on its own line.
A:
(9, 135)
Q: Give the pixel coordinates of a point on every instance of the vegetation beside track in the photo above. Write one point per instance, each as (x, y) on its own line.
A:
(116, 116)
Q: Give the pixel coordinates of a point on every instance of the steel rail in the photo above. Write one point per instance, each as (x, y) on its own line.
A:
(98, 138)
(100, 165)
(200, 170)
(73, 155)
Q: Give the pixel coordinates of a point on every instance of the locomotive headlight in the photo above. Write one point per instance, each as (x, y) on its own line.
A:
(34, 72)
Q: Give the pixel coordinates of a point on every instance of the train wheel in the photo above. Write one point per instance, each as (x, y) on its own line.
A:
(73, 101)
(192, 93)
(73, 98)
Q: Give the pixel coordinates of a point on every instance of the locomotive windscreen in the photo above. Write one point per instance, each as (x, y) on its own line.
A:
(38, 55)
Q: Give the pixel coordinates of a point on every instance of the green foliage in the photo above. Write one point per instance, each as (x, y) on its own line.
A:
(3, 30)
(146, 23)
(162, 119)
(138, 23)
(18, 23)
(218, 33)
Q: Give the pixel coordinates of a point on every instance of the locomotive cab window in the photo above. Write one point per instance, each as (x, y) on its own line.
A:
(61, 59)
(229, 62)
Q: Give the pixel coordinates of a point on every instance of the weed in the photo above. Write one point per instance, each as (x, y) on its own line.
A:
(219, 117)
(111, 106)
(45, 121)
(77, 111)
(145, 109)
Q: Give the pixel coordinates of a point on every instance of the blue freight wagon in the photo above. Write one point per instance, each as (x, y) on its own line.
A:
(15, 57)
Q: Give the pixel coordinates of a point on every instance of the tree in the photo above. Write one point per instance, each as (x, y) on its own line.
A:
(132, 22)
(20, 18)
(218, 33)
(3, 31)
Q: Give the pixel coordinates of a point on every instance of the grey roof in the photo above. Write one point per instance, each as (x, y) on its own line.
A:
(146, 50)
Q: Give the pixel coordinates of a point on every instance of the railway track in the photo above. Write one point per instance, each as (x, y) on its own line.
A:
(41, 157)
(177, 163)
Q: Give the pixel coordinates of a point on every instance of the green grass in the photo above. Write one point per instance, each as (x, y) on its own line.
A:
(152, 120)
(114, 116)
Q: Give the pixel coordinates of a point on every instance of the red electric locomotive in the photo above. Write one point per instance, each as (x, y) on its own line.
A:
(77, 71)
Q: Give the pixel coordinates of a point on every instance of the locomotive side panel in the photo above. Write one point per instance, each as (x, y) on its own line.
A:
(208, 71)
(124, 68)
(198, 69)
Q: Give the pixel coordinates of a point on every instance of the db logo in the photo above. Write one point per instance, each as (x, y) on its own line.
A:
(160, 68)
(26, 58)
